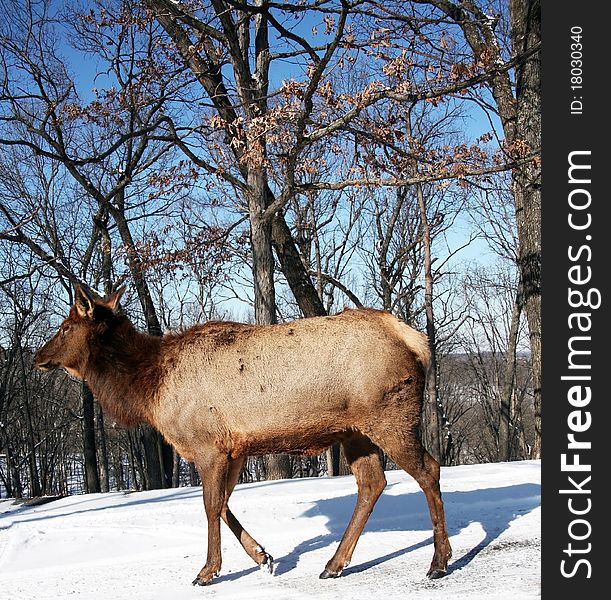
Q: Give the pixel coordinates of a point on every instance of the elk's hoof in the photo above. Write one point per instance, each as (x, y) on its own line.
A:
(436, 573)
(204, 577)
(326, 574)
(267, 564)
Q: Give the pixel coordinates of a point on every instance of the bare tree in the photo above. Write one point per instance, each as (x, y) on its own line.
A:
(104, 147)
(491, 342)
(224, 149)
(518, 104)
(496, 224)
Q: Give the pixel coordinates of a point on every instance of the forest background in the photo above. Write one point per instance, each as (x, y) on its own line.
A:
(264, 161)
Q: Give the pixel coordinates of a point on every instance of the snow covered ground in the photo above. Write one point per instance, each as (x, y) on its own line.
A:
(150, 545)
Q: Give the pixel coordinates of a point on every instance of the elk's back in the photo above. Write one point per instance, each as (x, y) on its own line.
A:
(293, 387)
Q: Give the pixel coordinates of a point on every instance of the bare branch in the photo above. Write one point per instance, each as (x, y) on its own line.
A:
(338, 284)
(405, 181)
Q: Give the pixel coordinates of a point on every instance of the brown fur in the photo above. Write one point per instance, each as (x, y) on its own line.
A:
(222, 391)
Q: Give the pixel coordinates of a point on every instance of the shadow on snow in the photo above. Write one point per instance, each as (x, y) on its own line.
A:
(492, 508)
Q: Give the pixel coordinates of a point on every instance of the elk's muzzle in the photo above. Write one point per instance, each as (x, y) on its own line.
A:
(43, 363)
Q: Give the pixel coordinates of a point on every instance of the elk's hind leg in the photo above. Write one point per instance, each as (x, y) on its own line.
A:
(405, 448)
(364, 460)
(250, 545)
(428, 479)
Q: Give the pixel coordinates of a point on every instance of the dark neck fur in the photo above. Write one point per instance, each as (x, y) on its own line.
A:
(123, 372)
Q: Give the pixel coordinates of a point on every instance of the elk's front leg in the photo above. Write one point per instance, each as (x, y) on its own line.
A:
(252, 547)
(213, 473)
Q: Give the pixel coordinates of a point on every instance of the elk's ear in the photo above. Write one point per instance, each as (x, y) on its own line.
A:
(84, 303)
(112, 301)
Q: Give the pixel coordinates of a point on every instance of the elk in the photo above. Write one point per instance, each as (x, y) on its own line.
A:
(222, 391)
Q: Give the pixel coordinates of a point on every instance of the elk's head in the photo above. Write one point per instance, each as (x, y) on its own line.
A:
(69, 347)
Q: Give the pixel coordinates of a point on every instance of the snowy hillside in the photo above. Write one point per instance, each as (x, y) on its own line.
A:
(150, 545)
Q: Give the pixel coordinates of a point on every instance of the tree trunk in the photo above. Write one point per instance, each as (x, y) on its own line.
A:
(166, 458)
(294, 271)
(135, 466)
(150, 441)
(176, 470)
(193, 475)
(103, 454)
(278, 466)
(336, 461)
(6, 479)
(12, 467)
(506, 411)
(525, 19)
(262, 259)
(434, 418)
(92, 479)
(34, 487)
(30, 438)
(12, 482)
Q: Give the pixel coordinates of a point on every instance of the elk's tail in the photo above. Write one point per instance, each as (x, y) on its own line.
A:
(415, 340)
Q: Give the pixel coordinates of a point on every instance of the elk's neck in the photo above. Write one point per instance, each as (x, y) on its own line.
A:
(123, 374)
